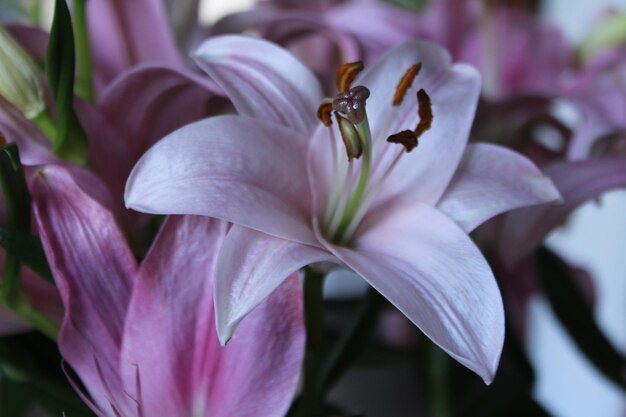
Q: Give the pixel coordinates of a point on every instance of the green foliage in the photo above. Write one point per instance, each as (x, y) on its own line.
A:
(70, 141)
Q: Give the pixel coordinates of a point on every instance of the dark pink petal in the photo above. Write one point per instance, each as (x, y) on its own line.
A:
(578, 182)
(34, 40)
(251, 266)
(263, 80)
(10, 323)
(171, 344)
(425, 265)
(34, 148)
(234, 168)
(120, 39)
(492, 180)
(138, 108)
(93, 269)
(259, 370)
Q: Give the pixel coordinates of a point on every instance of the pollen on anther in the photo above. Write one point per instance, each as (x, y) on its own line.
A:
(346, 75)
(425, 113)
(407, 138)
(324, 112)
(405, 83)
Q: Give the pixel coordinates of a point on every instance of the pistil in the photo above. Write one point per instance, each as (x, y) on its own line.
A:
(352, 193)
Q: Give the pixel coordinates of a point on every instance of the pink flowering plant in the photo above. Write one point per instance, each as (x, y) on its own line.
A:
(173, 230)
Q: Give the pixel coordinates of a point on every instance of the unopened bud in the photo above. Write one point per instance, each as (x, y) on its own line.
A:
(20, 83)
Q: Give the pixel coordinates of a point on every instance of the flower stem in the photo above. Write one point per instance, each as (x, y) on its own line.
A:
(84, 80)
(438, 370)
(311, 400)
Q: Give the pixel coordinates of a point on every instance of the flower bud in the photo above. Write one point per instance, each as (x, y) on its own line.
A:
(20, 83)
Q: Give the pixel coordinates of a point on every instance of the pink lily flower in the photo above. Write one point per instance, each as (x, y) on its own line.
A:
(142, 338)
(399, 220)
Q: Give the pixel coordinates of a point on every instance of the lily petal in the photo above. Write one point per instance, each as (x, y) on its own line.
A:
(578, 182)
(263, 80)
(453, 90)
(119, 40)
(81, 240)
(35, 149)
(170, 319)
(251, 266)
(492, 180)
(196, 376)
(432, 272)
(138, 108)
(234, 168)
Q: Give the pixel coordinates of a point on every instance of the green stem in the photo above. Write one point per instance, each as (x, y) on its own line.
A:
(14, 297)
(46, 124)
(352, 341)
(438, 370)
(312, 401)
(84, 80)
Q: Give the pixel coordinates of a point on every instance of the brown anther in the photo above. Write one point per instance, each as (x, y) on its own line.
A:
(425, 113)
(407, 138)
(352, 103)
(3, 139)
(324, 113)
(405, 83)
(350, 137)
(346, 75)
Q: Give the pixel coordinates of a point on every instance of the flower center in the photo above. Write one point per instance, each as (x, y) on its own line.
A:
(353, 188)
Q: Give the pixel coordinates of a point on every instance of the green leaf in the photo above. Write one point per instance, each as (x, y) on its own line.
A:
(28, 249)
(577, 318)
(17, 201)
(70, 142)
(14, 188)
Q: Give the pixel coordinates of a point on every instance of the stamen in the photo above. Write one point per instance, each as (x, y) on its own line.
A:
(346, 75)
(350, 136)
(405, 83)
(352, 104)
(408, 138)
(425, 112)
(3, 139)
(324, 113)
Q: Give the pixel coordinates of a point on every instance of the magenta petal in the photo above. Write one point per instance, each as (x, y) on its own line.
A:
(235, 168)
(171, 345)
(492, 180)
(258, 372)
(251, 266)
(34, 40)
(138, 108)
(35, 149)
(170, 325)
(93, 269)
(11, 323)
(425, 265)
(120, 39)
(578, 182)
(263, 80)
